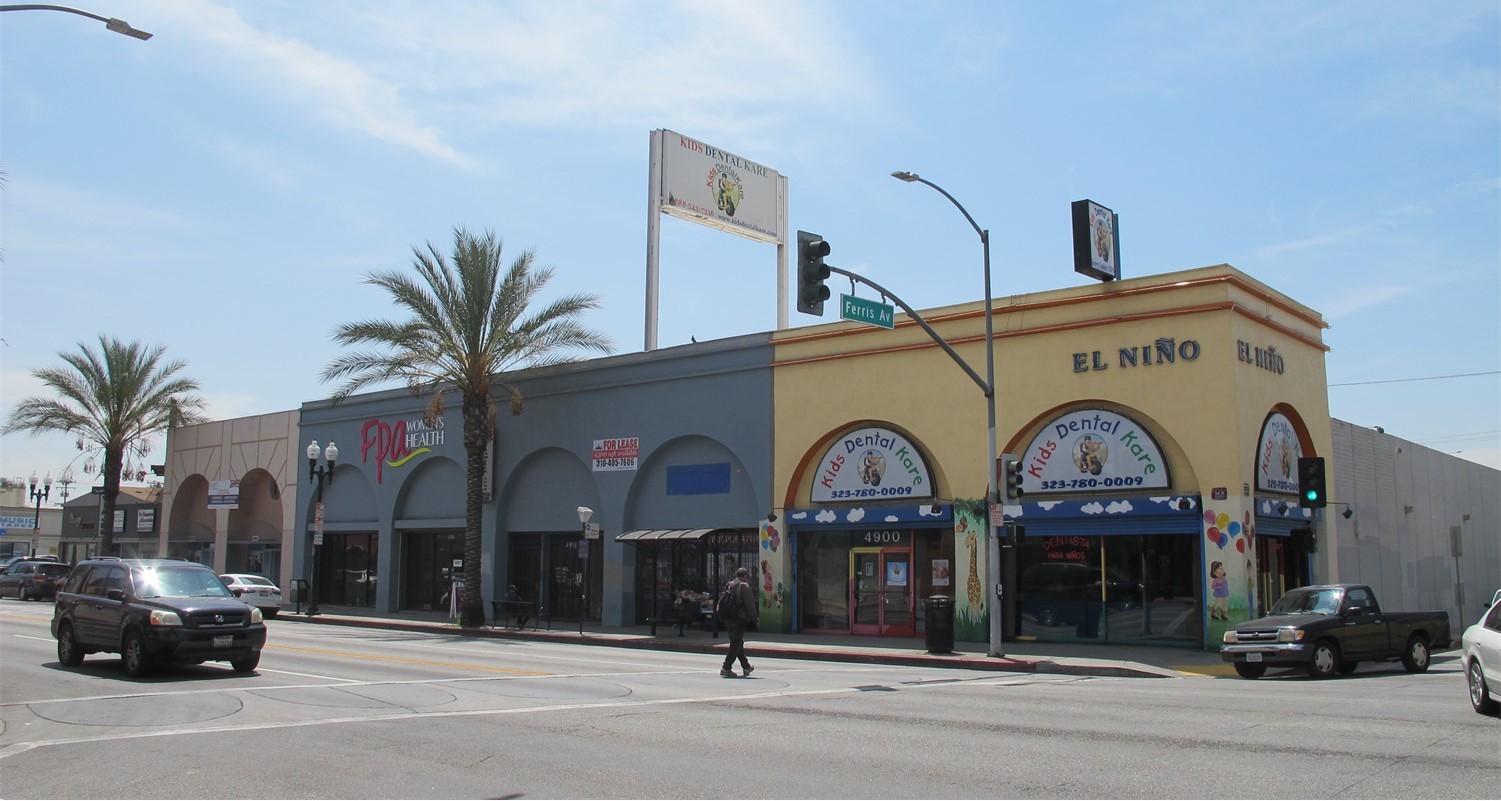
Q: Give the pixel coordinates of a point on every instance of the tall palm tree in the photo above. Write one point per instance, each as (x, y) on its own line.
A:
(116, 398)
(466, 330)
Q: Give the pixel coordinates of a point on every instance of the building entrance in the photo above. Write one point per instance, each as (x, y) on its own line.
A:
(881, 600)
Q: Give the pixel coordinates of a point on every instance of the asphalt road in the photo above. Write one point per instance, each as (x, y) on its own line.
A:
(361, 713)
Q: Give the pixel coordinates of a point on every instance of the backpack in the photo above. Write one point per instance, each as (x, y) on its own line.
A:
(728, 607)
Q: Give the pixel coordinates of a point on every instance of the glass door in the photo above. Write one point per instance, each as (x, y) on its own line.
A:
(881, 599)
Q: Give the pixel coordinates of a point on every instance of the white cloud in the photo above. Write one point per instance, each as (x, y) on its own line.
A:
(1118, 507)
(893, 519)
(1092, 508)
(826, 516)
(855, 515)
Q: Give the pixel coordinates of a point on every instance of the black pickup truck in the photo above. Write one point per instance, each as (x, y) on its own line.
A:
(1330, 629)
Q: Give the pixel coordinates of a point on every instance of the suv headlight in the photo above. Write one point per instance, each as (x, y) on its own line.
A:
(1230, 637)
(256, 616)
(1289, 635)
(161, 617)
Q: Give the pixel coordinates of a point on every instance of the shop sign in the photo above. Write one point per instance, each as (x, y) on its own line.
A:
(145, 520)
(621, 453)
(1266, 358)
(397, 443)
(1166, 350)
(1088, 450)
(871, 464)
(224, 494)
(1066, 549)
(1277, 455)
(16, 521)
(1097, 240)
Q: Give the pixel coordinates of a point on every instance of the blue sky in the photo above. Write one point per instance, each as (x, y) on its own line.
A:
(223, 188)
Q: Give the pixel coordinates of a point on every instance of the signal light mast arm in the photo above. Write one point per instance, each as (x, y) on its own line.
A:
(983, 384)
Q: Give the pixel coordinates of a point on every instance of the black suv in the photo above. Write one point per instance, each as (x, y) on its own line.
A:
(154, 611)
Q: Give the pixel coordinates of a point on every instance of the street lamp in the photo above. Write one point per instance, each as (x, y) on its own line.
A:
(994, 560)
(584, 514)
(316, 474)
(116, 25)
(38, 495)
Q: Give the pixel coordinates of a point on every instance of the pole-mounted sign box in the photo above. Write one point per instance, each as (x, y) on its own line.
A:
(1097, 240)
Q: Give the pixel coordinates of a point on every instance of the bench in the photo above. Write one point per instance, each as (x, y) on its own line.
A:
(505, 610)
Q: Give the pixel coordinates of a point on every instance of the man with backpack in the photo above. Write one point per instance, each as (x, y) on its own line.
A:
(737, 607)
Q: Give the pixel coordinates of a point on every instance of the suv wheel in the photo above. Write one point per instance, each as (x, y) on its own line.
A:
(69, 652)
(247, 664)
(136, 658)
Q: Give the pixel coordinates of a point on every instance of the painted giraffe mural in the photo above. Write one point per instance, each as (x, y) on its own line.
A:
(976, 590)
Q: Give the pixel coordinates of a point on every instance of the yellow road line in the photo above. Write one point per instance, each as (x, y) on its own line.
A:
(1225, 669)
(403, 660)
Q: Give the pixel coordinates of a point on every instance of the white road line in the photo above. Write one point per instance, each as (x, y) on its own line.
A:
(38, 639)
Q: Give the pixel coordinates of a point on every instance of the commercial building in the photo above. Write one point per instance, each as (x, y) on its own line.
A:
(1159, 421)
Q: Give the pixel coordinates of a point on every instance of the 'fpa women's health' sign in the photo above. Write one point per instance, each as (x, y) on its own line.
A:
(871, 464)
(1089, 450)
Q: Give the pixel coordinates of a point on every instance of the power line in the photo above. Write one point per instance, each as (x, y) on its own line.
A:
(1428, 378)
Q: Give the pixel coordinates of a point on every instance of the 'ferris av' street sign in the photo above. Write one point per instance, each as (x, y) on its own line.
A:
(860, 310)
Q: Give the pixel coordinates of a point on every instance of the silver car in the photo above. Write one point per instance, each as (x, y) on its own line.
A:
(1482, 661)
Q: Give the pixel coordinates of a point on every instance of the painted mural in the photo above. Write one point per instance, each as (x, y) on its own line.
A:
(971, 609)
(1230, 572)
(774, 570)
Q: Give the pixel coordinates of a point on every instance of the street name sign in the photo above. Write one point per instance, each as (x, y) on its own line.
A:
(860, 310)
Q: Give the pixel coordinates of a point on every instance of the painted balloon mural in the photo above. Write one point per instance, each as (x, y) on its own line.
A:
(1221, 530)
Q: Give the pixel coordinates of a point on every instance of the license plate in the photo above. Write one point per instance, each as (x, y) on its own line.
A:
(1253, 657)
(225, 642)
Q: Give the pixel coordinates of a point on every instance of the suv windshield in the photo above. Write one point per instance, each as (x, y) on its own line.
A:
(1307, 602)
(180, 582)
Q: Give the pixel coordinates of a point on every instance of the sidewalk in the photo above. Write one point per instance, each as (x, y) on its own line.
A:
(1067, 658)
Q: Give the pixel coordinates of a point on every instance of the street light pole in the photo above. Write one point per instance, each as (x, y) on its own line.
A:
(116, 25)
(993, 560)
(584, 514)
(38, 495)
(317, 473)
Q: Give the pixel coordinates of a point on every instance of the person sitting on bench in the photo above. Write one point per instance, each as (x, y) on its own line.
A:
(515, 604)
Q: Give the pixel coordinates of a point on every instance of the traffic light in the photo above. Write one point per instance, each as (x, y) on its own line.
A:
(1011, 479)
(811, 273)
(1311, 490)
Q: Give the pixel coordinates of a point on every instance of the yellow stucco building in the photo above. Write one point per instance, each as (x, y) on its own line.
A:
(1158, 422)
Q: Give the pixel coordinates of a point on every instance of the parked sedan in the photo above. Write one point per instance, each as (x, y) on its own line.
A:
(258, 591)
(1482, 661)
(33, 579)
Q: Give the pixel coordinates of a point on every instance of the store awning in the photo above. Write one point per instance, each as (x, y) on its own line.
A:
(669, 534)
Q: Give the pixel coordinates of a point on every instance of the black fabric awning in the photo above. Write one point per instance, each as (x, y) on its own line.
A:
(714, 536)
(668, 534)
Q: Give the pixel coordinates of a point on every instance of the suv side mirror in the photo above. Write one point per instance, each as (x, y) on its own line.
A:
(115, 594)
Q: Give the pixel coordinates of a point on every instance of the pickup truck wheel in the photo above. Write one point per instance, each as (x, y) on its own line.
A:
(1415, 656)
(135, 657)
(1250, 671)
(1480, 697)
(1325, 660)
(69, 652)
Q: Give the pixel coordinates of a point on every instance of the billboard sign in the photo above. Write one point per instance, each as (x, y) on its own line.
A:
(706, 185)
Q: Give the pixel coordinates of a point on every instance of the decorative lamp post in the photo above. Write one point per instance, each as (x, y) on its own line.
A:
(584, 514)
(317, 474)
(38, 494)
(993, 562)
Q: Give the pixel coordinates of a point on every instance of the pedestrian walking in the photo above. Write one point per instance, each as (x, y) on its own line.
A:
(745, 611)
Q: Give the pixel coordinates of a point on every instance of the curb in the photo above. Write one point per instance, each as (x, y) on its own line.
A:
(763, 650)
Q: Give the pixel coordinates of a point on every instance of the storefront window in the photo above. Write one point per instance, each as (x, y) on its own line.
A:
(346, 569)
(1119, 588)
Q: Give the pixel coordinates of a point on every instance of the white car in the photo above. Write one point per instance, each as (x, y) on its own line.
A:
(258, 591)
(1482, 661)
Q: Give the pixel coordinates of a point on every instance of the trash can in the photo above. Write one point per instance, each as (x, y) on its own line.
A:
(938, 618)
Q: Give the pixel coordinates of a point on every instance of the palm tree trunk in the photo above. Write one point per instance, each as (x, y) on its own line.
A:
(476, 433)
(114, 462)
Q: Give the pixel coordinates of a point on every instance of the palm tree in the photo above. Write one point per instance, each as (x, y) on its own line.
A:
(115, 398)
(465, 332)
